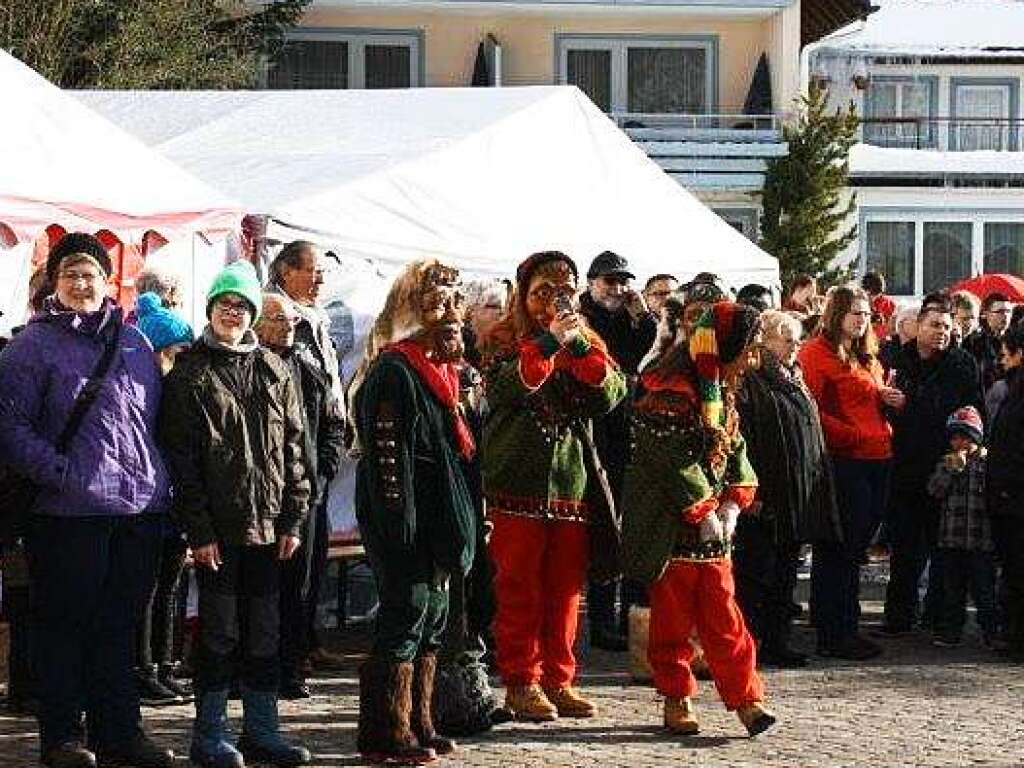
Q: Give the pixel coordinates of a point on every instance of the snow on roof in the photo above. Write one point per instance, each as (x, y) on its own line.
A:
(866, 160)
(958, 28)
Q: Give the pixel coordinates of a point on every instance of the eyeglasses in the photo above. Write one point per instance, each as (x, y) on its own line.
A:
(228, 306)
(72, 276)
(290, 319)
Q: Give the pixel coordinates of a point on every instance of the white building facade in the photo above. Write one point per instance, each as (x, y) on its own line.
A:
(939, 175)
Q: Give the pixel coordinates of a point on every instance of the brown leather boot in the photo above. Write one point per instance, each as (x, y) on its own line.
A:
(385, 705)
(680, 716)
(570, 703)
(528, 702)
(422, 706)
(756, 717)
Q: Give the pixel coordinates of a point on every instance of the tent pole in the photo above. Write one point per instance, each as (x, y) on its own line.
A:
(194, 296)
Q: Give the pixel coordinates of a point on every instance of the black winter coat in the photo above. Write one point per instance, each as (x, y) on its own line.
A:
(985, 347)
(786, 446)
(934, 389)
(1005, 477)
(628, 343)
(323, 421)
(231, 434)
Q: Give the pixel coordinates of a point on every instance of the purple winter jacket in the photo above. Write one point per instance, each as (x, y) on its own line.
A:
(113, 466)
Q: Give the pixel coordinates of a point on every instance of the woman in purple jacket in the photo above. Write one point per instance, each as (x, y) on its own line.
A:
(94, 529)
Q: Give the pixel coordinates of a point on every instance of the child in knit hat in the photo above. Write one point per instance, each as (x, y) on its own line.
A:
(167, 332)
(964, 545)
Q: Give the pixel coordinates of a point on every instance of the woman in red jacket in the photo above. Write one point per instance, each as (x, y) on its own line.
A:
(846, 379)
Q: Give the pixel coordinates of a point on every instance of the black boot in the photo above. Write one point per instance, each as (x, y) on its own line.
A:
(385, 705)
(422, 721)
(152, 692)
(71, 754)
(138, 752)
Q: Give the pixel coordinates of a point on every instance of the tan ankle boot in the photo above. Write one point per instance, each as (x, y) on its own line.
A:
(528, 702)
(570, 703)
(680, 716)
(756, 717)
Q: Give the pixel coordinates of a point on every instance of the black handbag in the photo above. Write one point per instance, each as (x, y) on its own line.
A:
(17, 492)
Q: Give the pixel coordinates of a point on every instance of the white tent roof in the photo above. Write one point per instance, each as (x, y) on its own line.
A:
(62, 163)
(480, 177)
(975, 28)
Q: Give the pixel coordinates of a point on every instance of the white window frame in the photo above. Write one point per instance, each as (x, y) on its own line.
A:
(900, 82)
(977, 217)
(619, 46)
(357, 40)
(1006, 92)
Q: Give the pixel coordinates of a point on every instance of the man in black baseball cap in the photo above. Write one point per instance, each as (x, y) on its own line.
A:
(619, 316)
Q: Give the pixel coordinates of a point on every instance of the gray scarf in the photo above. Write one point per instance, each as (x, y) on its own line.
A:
(248, 343)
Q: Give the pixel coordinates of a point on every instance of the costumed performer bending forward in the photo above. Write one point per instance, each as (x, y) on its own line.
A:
(549, 376)
(687, 480)
(415, 512)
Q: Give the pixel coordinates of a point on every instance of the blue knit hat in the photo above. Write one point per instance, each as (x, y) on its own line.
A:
(160, 325)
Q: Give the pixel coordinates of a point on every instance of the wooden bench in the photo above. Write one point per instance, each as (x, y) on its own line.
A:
(344, 550)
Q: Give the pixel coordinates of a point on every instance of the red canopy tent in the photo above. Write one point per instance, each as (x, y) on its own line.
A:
(982, 285)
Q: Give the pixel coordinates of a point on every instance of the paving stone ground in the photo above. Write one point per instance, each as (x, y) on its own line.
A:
(915, 706)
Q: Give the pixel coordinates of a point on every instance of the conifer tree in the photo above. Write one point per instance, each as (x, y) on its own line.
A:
(147, 44)
(804, 213)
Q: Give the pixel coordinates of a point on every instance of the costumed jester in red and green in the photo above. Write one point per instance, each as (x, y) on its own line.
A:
(546, 375)
(686, 483)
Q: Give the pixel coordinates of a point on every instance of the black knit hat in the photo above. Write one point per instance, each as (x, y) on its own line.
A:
(529, 266)
(77, 243)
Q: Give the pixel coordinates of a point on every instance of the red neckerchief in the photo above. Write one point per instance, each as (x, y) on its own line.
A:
(443, 380)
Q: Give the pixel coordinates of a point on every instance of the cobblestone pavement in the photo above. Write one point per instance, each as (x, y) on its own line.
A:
(915, 706)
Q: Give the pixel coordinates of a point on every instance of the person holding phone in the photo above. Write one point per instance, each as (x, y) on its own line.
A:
(618, 314)
(548, 377)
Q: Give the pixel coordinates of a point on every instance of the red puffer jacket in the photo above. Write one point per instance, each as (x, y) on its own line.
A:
(849, 402)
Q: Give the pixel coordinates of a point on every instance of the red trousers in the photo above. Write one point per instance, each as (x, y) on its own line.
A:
(701, 595)
(540, 567)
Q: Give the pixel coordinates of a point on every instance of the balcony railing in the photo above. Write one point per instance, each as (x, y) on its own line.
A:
(733, 121)
(956, 134)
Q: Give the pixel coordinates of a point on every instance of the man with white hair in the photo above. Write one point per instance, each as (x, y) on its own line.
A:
(297, 272)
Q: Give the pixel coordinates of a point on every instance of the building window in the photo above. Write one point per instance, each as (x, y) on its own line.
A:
(947, 253)
(744, 220)
(900, 112)
(982, 111)
(1004, 247)
(642, 75)
(889, 249)
(316, 59)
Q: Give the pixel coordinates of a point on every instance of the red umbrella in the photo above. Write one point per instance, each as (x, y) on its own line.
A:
(982, 285)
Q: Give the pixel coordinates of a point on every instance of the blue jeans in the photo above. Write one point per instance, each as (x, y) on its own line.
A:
(91, 577)
(861, 486)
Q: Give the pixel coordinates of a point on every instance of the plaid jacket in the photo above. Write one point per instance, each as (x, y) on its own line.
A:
(963, 520)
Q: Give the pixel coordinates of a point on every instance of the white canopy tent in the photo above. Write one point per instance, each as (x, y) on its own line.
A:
(62, 164)
(479, 177)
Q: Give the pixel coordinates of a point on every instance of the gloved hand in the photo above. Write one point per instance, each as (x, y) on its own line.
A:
(728, 512)
(711, 528)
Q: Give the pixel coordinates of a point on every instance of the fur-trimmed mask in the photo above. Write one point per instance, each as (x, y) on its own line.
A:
(426, 304)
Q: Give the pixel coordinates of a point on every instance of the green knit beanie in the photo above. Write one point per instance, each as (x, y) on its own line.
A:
(237, 277)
